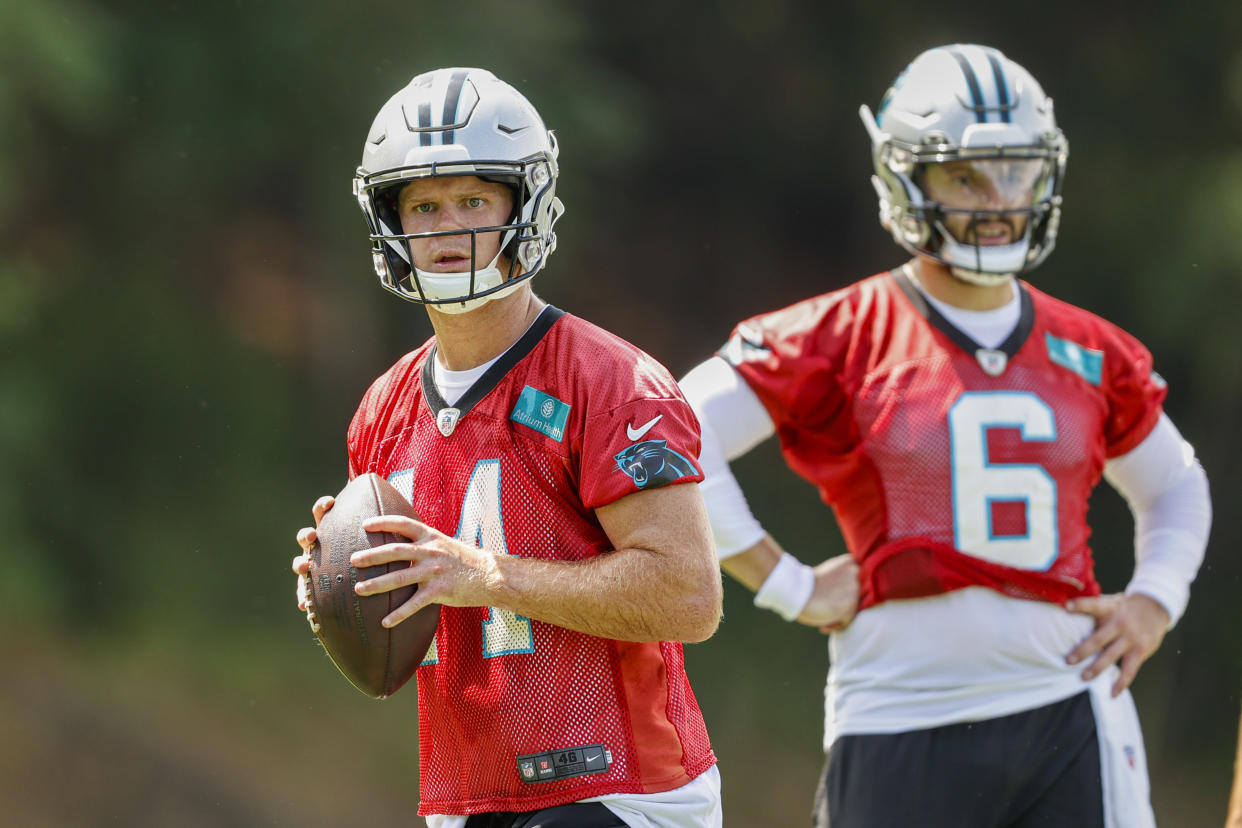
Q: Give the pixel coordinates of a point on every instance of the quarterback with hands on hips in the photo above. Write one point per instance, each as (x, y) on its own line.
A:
(550, 463)
(956, 419)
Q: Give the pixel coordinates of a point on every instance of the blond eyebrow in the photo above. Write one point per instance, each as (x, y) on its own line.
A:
(471, 193)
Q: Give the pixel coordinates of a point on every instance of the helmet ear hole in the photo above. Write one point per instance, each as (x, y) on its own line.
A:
(915, 232)
(385, 203)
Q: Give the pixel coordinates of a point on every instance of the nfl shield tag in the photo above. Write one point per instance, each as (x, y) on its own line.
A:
(446, 420)
(992, 362)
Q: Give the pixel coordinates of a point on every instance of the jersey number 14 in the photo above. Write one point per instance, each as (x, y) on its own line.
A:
(481, 523)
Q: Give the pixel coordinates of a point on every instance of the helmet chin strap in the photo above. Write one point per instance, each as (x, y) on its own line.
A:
(449, 285)
(974, 277)
(982, 265)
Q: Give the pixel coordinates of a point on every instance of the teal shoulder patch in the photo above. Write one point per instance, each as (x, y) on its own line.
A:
(1085, 362)
(542, 412)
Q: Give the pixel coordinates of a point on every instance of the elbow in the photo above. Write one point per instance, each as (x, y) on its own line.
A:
(703, 631)
(702, 610)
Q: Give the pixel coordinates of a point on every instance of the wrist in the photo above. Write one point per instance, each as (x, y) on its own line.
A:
(788, 588)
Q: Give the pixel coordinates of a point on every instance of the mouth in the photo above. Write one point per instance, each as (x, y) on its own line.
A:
(451, 262)
(992, 233)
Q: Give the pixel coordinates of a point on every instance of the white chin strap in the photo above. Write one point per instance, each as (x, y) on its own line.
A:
(982, 264)
(450, 285)
(974, 277)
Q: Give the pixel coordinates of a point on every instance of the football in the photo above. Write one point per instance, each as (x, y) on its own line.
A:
(376, 660)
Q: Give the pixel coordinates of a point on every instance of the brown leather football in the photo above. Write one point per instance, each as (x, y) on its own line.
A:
(376, 660)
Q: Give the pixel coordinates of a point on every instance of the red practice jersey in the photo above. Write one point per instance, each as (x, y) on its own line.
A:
(516, 714)
(947, 464)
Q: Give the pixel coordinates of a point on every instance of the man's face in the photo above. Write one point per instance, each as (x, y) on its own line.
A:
(431, 205)
(987, 187)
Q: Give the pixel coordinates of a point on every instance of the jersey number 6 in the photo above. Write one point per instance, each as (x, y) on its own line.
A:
(979, 484)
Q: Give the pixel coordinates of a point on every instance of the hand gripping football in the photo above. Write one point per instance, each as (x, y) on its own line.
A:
(376, 660)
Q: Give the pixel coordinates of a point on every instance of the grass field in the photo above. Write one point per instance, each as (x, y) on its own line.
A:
(255, 730)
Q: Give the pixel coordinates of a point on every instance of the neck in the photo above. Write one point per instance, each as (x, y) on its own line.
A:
(467, 340)
(937, 280)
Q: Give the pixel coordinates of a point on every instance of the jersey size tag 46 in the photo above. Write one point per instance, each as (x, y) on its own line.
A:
(564, 763)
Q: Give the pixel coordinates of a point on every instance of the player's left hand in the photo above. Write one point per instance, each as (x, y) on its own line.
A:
(834, 601)
(1128, 629)
(446, 570)
(301, 563)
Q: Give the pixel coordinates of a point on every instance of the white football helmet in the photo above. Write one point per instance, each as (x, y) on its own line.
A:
(967, 103)
(451, 122)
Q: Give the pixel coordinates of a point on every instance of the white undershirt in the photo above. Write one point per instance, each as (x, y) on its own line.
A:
(901, 665)
(452, 385)
(989, 327)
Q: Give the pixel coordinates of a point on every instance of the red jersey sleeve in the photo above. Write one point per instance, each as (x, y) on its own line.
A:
(792, 359)
(1135, 392)
(641, 444)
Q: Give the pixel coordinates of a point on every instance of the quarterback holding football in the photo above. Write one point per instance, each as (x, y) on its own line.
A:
(551, 466)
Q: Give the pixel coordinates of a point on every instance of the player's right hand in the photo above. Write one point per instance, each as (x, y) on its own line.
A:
(306, 539)
(834, 601)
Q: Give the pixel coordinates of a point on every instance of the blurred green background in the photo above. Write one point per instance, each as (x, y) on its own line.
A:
(188, 316)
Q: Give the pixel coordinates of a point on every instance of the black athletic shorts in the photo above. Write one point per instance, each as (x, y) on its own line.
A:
(573, 815)
(1040, 768)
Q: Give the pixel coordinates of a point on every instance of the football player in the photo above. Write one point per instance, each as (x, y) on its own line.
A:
(956, 419)
(550, 462)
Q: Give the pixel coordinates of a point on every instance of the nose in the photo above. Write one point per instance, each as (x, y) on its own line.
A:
(449, 217)
(994, 197)
(1010, 193)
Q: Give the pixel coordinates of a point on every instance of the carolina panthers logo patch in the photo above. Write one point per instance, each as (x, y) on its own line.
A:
(652, 464)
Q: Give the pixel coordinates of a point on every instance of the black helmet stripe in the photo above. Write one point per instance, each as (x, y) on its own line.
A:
(424, 123)
(1002, 93)
(451, 99)
(976, 94)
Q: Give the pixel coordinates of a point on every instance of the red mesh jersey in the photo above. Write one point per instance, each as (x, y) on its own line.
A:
(943, 474)
(579, 422)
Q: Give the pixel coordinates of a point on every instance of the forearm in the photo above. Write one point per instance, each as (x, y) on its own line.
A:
(1167, 491)
(661, 582)
(752, 566)
(733, 421)
(630, 594)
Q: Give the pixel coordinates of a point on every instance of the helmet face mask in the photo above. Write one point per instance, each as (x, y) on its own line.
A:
(459, 122)
(971, 109)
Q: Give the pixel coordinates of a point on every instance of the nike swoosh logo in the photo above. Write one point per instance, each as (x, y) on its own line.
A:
(636, 434)
(590, 758)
